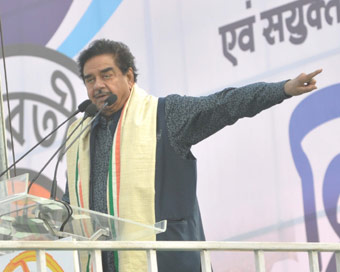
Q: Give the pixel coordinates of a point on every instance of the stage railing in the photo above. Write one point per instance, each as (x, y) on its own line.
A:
(258, 248)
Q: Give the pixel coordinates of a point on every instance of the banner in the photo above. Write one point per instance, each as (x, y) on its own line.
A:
(273, 177)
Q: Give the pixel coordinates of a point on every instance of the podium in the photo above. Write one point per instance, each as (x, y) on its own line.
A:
(28, 217)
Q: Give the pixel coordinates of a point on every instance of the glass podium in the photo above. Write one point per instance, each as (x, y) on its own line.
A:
(28, 217)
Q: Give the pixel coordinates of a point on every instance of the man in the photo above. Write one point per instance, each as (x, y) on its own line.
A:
(141, 166)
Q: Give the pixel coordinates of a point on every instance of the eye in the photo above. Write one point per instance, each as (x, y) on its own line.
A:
(89, 80)
(107, 76)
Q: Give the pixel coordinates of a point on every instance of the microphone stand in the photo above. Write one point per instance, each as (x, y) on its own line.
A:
(81, 108)
(36, 177)
(109, 101)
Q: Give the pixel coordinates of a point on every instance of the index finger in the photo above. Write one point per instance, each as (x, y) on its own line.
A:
(313, 74)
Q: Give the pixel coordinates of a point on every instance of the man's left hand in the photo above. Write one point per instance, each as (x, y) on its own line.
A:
(303, 83)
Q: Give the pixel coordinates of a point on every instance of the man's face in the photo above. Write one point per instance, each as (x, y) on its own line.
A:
(103, 77)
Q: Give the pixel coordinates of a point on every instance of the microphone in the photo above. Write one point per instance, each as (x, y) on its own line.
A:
(83, 105)
(108, 102)
(90, 111)
(81, 108)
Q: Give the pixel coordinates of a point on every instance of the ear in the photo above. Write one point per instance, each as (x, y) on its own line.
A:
(130, 77)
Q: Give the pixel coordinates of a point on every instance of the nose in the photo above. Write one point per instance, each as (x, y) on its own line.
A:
(99, 84)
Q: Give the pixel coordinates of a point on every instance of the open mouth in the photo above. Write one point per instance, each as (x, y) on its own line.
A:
(101, 97)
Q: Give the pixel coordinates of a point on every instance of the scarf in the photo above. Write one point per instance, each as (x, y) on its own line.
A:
(131, 175)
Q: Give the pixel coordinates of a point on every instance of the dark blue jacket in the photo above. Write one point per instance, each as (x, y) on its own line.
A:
(176, 201)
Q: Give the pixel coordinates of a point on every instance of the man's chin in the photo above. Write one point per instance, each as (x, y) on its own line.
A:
(100, 105)
(107, 111)
(100, 101)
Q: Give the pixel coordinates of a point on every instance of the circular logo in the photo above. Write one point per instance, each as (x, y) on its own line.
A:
(23, 258)
(44, 87)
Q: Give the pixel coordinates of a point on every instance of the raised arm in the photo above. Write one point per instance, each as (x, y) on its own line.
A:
(192, 119)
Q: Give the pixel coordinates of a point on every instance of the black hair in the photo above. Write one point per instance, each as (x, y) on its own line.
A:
(119, 51)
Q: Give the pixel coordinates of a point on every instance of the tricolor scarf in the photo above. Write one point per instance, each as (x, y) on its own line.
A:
(131, 177)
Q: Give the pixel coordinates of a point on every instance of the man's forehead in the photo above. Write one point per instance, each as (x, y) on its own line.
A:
(99, 63)
(101, 71)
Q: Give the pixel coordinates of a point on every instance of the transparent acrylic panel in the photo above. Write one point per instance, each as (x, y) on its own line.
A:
(27, 217)
(13, 187)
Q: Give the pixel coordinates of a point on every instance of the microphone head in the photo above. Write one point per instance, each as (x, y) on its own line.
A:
(111, 99)
(83, 105)
(91, 110)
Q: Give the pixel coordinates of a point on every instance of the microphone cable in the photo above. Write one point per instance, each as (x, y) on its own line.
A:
(109, 101)
(7, 95)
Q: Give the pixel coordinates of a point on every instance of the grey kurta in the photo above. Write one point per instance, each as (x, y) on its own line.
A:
(193, 119)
